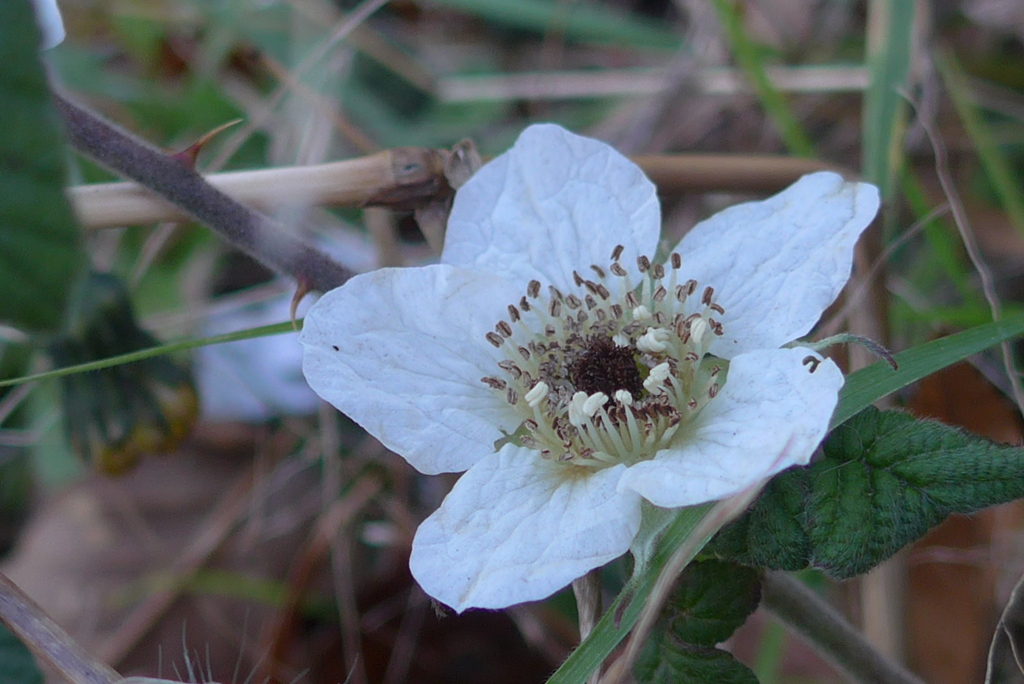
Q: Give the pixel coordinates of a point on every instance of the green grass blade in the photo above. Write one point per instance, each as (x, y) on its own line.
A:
(578, 21)
(884, 108)
(870, 384)
(748, 57)
(993, 161)
(617, 621)
(262, 331)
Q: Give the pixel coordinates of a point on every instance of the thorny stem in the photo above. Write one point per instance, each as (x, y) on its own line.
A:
(246, 229)
(48, 641)
(822, 627)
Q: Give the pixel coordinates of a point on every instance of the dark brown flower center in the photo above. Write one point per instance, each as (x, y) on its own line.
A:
(606, 367)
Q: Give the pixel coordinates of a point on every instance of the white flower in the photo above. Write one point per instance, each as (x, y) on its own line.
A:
(570, 375)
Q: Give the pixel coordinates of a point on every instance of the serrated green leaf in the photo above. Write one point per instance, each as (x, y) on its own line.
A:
(17, 666)
(885, 480)
(712, 599)
(888, 478)
(770, 535)
(40, 246)
(666, 660)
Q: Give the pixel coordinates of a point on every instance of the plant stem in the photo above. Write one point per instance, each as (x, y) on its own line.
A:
(822, 627)
(47, 640)
(250, 231)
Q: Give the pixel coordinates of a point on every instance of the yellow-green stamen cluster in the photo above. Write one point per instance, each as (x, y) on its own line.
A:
(611, 372)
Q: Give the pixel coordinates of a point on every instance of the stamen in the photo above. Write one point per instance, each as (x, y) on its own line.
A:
(709, 292)
(660, 294)
(495, 339)
(524, 305)
(512, 396)
(598, 270)
(643, 263)
(533, 289)
(617, 269)
(594, 402)
(676, 260)
(577, 279)
(494, 383)
(717, 308)
(624, 397)
(573, 302)
(513, 313)
(504, 329)
(555, 308)
(657, 271)
(617, 252)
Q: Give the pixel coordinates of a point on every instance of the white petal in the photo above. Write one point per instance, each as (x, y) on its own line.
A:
(50, 23)
(776, 265)
(515, 528)
(771, 414)
(402, 351)
(553, 203)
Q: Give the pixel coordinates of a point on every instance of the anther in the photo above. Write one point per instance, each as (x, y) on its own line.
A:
(617, 269)
(504, 329)
(691, 286)
(591, 287)
(524, 305)
(598, 270)
(654, 341)
(577, 278)
(713, 390)
(812, 362)
(616, 310)
(591, 302)
(632, 301)
(512, 396)
(714, 306)
(715, 370)
(660, 293)
(681, 294)
(676, 260)
(533, 289)
(555, 308)
(657, 271)
(513, 313)
(495, 339)
(535, 395)
(525, 353)
(511, 368)
(617, 252)
(494, 383)
(603, 292)
(660, 318)
(705, 298)
(643, 263)
(555, 292)
(549, 330)
(573, 302)
(698, 328)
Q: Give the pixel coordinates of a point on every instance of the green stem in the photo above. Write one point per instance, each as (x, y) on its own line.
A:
(825, 629)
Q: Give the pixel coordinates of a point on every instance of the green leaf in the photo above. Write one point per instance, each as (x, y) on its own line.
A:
(40, 246)
(770, 534)
(17, 666)
(885, 480)
(666, 659)
(712, 599)
(870, 384)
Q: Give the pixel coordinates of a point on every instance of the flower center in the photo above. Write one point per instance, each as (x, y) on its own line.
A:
(611, 372)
